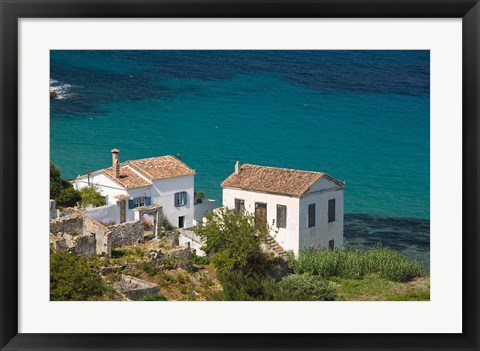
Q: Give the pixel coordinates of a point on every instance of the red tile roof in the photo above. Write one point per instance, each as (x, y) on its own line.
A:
(274, 180)
(128, 177)
(161, 167)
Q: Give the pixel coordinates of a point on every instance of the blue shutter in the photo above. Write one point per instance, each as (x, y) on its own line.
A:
(184, 197)
(148, 201)
(130, 204)
(175, 199)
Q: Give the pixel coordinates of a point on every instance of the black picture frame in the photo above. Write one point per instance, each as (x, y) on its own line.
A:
(11, 11)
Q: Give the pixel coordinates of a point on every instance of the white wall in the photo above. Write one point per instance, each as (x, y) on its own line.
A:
(200, 209)
(106, 186)
(286, 237)
(319, 235)
(105, 213)
(163, 194)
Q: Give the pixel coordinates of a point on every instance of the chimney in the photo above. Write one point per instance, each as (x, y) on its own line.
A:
(115, 163)
(237, 167)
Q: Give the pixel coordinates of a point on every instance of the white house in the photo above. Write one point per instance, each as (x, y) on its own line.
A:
(165, 181)
(305, 208)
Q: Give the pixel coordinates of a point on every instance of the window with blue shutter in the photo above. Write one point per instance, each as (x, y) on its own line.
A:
(148, 201)
(180, 198)
(130, 204)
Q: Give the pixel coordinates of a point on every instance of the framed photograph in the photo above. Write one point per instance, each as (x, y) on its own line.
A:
(267, 175)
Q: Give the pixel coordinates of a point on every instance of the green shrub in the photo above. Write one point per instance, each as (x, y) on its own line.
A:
(200, 260)
(166, 224)
(354, 264)
(149, 268)
(304, 287)
(68, 197)
(91, 196)
(156, 297)
(73, 279)
(238, 287)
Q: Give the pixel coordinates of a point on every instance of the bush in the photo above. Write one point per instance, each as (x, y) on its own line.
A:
(200, 260)
(166, 224)
(61, 190)
(149, 268)
(238, 287)
(232, 241)
(156, 297)
(73, 279)
(354, 264)
(68, 197)
(91, 196)
(304, 287)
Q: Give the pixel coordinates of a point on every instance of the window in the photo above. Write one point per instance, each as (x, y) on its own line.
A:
(180, 199)
(281, 216)
(105, 198)
(239, 206)
(331, 244)
(311, 215)
(139, 201)
(331, 210)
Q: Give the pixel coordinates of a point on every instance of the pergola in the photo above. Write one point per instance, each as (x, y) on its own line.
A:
(152, 210)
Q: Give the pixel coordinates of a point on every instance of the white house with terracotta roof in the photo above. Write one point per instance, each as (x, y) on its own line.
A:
(305, 207)
(165, 181)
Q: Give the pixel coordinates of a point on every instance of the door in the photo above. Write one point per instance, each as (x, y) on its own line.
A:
(122, 211)
(181, 221)
(261, 211)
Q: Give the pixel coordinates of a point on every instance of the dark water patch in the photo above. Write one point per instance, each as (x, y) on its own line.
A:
(410, 236)
(130, 74)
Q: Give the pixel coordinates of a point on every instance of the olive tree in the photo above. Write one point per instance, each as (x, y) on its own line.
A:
(232, 240)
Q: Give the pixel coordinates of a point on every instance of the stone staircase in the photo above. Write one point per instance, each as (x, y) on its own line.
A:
(270, 246)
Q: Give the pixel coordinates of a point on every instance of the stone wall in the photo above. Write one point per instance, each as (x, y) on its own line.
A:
(80, 234)
(135, 288)
(127, 233)
(102, 235)
(181, 258)
(72, 224)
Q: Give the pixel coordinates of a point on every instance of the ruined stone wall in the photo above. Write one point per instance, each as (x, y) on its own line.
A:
(127, 233)
(102, 235)
(72, 224)
(181, 258)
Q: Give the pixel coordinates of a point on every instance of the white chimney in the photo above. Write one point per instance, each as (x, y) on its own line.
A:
(115, 163)
(237, 167)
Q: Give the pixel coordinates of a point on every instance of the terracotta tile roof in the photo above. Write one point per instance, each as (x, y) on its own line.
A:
(161, 167)
(274, 180)
(128, 177)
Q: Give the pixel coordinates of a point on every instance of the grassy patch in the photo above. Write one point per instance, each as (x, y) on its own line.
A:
(355, 264)
(374, 288)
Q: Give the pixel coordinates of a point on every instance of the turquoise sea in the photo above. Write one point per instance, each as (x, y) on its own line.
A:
(360, 116)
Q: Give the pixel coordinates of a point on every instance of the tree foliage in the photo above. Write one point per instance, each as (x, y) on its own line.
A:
(232, 240)
(72, 279)
(91, 196)
(61, 190)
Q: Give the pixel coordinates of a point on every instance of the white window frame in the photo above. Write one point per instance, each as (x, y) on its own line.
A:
(138, 201)
(180, 199)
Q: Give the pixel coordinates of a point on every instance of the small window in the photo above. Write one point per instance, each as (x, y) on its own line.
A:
(139, 201)
(281, 216)
(239, 205)
(105, 198)
(331, 210)
(331, 244)
(311, 215)
(180, 199)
